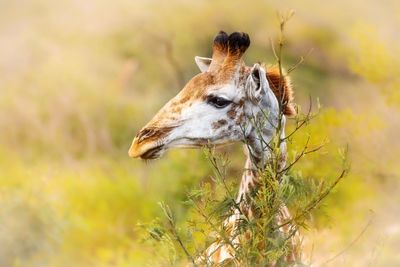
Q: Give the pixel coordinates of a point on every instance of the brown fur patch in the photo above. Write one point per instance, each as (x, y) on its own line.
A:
(282, 89)
(231, 113)
(184, 99)
(153, 133)
(196, 87)
(219, 124)
(240, 119)
(176, 109)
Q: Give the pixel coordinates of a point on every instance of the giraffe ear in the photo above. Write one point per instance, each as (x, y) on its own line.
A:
(258, 89)
(256, 84)
(203, 63)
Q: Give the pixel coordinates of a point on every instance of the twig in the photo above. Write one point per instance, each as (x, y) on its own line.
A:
(350, 244)
(168, 214)
(303, 122)
(302, 154)
(301, 61)
(316, 201)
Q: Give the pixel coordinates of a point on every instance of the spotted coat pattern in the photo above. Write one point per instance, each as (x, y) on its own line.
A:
(215, 108)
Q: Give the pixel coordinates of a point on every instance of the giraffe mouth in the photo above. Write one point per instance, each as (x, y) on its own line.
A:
(152, 153)
(147, 151)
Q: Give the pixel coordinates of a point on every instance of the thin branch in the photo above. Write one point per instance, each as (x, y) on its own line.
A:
(302, 154)
(355, 240)
(171, 221)
(301, 61)
(314, 203)
(303, 121)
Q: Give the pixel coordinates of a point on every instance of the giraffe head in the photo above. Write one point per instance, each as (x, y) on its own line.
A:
(215, 105)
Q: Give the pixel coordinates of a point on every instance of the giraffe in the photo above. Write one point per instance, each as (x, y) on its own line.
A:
(212, 109)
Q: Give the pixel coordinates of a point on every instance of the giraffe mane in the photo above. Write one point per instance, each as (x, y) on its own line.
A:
(281, 85)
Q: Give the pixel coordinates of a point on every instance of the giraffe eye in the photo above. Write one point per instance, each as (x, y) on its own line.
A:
(218, 102)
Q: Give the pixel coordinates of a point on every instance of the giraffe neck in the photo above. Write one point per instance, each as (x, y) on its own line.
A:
(250, 177)
(248, 185)
(218, 251)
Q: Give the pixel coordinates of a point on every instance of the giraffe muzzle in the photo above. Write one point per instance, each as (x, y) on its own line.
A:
(149, 142)
(145, 151)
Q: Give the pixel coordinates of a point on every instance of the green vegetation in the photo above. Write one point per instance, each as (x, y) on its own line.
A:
(256, 230)
(79, 79)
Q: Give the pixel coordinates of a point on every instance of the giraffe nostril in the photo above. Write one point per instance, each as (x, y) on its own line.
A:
(153, 133)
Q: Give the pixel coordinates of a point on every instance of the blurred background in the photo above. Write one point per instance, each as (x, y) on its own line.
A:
(78, 79)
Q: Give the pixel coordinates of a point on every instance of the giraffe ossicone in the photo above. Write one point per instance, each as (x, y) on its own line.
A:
(215, 108)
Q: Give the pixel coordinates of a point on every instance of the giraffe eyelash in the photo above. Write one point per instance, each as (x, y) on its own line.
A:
(218, 102)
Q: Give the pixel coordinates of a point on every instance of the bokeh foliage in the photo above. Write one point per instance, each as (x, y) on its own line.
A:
(78, 79)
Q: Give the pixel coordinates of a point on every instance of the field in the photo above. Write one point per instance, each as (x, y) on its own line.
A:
(79, 79)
